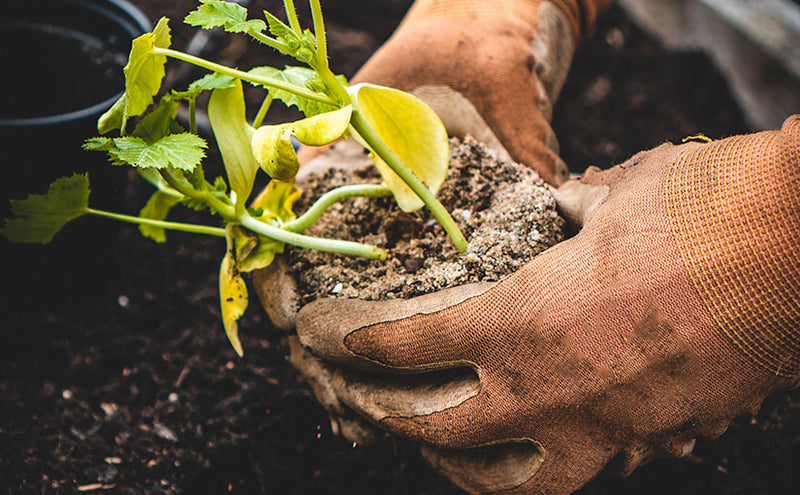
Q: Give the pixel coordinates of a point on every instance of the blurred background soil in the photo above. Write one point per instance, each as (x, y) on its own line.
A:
(119, 378)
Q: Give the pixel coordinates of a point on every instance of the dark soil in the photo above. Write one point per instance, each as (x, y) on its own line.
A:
(508, 218)
(117, 376)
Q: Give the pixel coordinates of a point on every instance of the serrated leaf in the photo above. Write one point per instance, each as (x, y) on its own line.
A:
(232, 296)
(226, 112)
(145, 70)
(272, 145)
(278, 28)
(182, 151)
(157, 208)
(39, 217)
(212, 81)
(159, 122)
(231, 16)
(299, 76)
(412, 130)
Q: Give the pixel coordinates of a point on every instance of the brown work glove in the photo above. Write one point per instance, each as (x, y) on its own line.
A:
(675, 309)
(508, 58)
(489, 68)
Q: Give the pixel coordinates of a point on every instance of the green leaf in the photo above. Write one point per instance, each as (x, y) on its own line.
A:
(272, 145)
(299, 76)
(39, 217)
(277, 200)
(275, 204)
(158, 123)
(212, 81)
(226, 112)
(278, 28)
(255, 252)
(145, 70)
(412, 130)
(231, 16)
(182, 151)
(232, 295)
(113, 117)
(157, 208)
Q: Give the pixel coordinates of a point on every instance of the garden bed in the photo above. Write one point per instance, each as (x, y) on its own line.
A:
(118, 377)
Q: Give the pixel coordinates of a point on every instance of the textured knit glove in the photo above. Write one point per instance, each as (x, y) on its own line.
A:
(675, 309)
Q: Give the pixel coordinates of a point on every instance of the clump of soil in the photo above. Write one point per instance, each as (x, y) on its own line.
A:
(503, 208)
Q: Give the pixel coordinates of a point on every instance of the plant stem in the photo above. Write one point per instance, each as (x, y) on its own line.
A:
(319, 33)
(325, 201)
(291, 15)
(262, 112)
(410, 178)
(181, 227)
(246, 76)
(269, 41)
(193, 115)
(228, 213)
(329, 245)
(320, 64)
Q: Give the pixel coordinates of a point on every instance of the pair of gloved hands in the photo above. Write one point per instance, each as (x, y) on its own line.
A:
(673, 310)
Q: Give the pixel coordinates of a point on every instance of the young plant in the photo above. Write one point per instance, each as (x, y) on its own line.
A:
(406, 141)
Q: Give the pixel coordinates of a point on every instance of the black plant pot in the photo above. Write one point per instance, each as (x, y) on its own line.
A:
(62, 68)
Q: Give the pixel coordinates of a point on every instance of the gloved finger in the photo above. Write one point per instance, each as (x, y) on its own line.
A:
(578, 201)
(320, 377)
(377, 396)
(490, 468)
(460, 117)
(325, 325)
(277, 291)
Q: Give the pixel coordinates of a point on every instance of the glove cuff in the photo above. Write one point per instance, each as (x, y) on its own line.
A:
(735, 213)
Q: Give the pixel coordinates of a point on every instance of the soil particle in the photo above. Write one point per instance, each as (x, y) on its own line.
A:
(503, 208)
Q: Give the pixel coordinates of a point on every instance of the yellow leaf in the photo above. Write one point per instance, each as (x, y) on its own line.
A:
(233, 297)
(272, 144)
(273, 150)
(322, 129)
(412, 130)
(226, 112)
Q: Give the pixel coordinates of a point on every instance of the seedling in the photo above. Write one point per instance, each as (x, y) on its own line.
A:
(406, 140)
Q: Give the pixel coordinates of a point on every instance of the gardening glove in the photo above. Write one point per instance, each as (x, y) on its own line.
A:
(675, 309)
(508, 58)
(489, 69)
(504, 61)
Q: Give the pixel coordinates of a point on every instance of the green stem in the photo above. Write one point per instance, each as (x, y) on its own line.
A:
(331, 197)
(224, 210)
(269, 41)
(304, 241)
(336, 89)
(291, 15)
(228, 213)
(410, 178)
(319, 33)
(193, 115)
(262, 112)
(245, 76)
(181, 227)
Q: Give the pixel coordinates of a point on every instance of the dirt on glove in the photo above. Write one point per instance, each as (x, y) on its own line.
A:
(503, 208)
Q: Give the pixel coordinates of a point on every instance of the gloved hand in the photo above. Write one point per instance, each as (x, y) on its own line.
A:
(509, 58)
(490, 69)
(673, 310)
